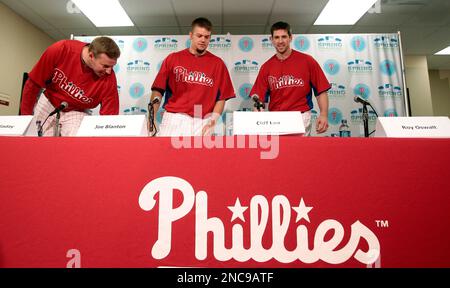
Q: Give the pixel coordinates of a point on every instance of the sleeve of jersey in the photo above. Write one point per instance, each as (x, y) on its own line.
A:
(110, 100)
(160, 82)
(260, 87)
(319, 81)
(44, 68)
(226, 86)
(29, 97)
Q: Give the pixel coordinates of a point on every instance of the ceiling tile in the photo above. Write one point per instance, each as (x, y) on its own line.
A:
(80, 32)
(119, 31)
(246, 29)
(423, 23)
(160, 30)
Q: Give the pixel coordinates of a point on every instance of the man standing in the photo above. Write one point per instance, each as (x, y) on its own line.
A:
(196, 85)
(289, 77)
(77, 73)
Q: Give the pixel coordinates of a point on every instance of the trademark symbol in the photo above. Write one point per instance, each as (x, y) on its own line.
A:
(382, 223)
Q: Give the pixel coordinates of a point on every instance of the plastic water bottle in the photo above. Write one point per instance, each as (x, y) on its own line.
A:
(229, 131)
(344, 129)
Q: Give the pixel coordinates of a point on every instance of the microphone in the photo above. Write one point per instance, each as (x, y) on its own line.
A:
(155, 100)
(361, 100)
(151, 125)
(258, 104)
(61, 107)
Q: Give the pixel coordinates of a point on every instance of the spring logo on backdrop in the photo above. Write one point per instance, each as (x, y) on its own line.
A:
(246, 44)
(140, 44)
(337, 91)
(134, 110)
(387, 67)
(244, 90)
(219, 42)
(139, 66)
(301, 43)
(362, 90)
(334, 116)
(331, 67)
(165, 43)
(266, 43)
(358, 43)
(246, 66)
(386, 42)
(329, 42)
(388, 91)
(356, 116)
(359, 66)
(136, 90)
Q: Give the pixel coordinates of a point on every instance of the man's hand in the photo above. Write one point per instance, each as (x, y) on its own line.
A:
(322, 124)
(208, 128)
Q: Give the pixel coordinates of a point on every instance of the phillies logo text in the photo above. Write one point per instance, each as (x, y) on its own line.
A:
(70, 88)
(194, 77)
(280, 208)
(285, 82)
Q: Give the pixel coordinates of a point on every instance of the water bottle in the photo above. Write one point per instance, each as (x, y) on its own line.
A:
(229, 129)
(344, 129)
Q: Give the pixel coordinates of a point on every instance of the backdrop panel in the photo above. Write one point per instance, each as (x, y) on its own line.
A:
(367, 65)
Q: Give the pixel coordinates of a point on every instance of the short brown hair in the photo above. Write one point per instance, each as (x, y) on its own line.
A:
(104, 45)
(281, 26)
(202, 22)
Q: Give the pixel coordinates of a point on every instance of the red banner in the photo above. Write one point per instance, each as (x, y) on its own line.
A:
(273, 202)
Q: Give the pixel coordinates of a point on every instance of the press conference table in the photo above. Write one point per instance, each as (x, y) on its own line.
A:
(147, 202)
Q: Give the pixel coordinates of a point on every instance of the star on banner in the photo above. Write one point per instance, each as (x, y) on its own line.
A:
(302, 211)
(238, 210)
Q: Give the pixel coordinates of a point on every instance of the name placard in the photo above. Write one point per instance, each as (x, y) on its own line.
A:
(14, 125)
(413, 127)
(113, 125)
(268, 123)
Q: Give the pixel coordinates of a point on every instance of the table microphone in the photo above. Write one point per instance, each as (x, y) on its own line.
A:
(361, 100)
(258, 103)
(61, 107)
(155, 100)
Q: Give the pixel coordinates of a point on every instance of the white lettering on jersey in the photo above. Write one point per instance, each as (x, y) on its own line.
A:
(193, 77)
(70, 88)
(285, 82)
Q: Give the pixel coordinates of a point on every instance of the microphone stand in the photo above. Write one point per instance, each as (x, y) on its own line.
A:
(365, 118)
(151, 125)
(56, 130)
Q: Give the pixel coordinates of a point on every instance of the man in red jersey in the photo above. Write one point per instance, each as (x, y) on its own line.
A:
(77, 73)
(288, 79)
(192, 80)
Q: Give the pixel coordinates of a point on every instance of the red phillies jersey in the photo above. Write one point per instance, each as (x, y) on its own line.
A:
(190, 80)
(289, 82)
(65, 78)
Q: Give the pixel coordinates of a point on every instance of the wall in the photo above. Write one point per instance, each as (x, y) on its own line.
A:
(21, 46)
(418, 83)
(440, 91)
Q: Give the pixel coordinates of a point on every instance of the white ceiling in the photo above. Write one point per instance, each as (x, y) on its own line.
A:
(424, 24)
